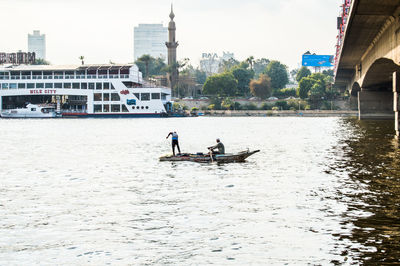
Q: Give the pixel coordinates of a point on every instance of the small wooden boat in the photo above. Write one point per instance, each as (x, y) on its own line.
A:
(206, 158)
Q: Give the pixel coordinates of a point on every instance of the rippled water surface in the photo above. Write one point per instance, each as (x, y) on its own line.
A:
(322, 191)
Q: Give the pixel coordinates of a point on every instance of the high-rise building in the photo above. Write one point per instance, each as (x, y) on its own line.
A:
(37, 44)
(150, 39)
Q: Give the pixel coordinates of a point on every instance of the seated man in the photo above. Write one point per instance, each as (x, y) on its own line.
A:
(219, 146)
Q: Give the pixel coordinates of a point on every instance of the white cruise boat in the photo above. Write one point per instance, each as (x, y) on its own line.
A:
(83, 90)
(31, 111)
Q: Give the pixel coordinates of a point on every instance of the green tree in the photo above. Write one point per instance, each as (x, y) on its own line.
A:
(226, 65)
(313, 85)
(317, 91)
(278, 74)
(223, 84)
(328, 72)
(227, 103)
(282, 105)
(305, 85)
(151, 66)
(157, 66)
(200, 75)
(262, 87)
(243, 77)
(302, 73)
(259, 66)
(146, 60)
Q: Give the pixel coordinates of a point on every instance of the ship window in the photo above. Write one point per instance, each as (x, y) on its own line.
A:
(83, 86)
(137, 95)
(58, 85)
(106, 86)
(133, 107)
(112, 87)
(30, 85)
(155, 96)
(147, 107)
(142, 107)
(4, 86)
(115, 108)
(75, 85)
(145, 96)
(124, 109)
(33, 109)
(97, 108)
(106, 97)
(91, 86)
(98, 86)
(115, 97)
(106, 108)
(97, 97)
(39, 85)
(21, 85)
(67, 85)
(13, 85)
(48, 85)
(128, 84)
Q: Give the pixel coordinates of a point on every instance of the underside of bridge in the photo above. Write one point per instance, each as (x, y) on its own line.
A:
(369, 57)
(375, 95)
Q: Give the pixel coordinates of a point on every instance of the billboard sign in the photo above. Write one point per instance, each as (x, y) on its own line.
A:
(313, 60)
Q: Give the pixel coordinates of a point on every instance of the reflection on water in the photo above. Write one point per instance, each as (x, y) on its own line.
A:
(92, 192)
(367, 161)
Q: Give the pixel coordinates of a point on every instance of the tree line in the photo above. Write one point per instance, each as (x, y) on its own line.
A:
(261, 78)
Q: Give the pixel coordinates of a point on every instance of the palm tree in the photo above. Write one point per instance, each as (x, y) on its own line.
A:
(82, 58)
(146, 59)
(250, 60)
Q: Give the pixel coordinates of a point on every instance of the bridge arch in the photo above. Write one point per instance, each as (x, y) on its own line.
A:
(379, 75)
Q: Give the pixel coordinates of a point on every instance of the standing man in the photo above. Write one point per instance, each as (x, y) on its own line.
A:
(174, 141)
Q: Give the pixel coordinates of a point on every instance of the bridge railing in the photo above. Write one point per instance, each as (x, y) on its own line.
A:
(342, 23)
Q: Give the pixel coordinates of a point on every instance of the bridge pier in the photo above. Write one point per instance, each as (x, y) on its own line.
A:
(375, 105)
(396, 91)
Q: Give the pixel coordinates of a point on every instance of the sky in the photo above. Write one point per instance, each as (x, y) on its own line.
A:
(103, 30)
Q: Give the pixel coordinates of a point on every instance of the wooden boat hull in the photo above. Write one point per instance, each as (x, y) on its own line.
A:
(205, 158)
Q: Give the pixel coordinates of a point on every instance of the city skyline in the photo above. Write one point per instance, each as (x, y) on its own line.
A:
(255, 28)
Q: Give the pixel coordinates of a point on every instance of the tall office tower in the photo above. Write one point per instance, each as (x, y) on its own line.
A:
(150, 39)
(37, 44)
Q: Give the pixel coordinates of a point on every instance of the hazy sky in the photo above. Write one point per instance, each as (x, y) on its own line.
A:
(103, 30)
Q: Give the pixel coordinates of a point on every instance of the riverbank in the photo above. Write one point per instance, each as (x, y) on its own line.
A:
(283, 113)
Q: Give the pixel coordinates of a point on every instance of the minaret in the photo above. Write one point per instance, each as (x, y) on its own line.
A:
(171, 45)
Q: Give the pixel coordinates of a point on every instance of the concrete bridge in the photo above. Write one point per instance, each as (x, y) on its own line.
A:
(369, 58)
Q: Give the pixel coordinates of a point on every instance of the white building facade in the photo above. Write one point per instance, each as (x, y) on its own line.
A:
(150, 39)
(210, 62)
(37, 44)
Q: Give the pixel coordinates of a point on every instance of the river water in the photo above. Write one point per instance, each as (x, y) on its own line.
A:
(322, 191)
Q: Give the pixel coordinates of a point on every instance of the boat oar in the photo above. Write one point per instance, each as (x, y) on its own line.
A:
(211, 153)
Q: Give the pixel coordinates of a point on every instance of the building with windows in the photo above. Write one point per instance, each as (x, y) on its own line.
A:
(210, 62)
(37, 44)
(150, 39)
